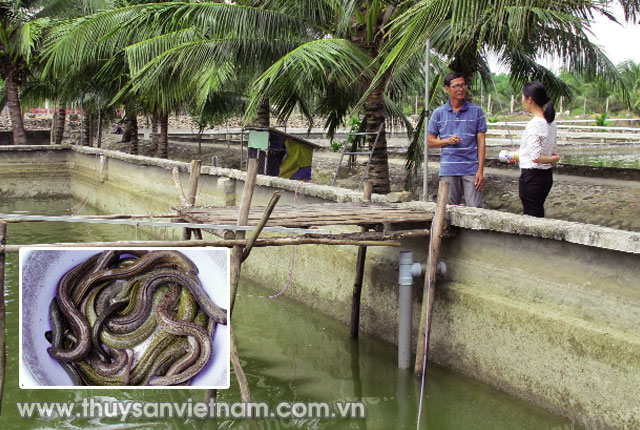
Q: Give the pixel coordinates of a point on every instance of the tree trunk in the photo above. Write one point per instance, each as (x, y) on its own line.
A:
(154, 134)
(99, 142)
(17, 124)
(379, 168)
(378, 173)
(133, 124)
(163, 141)
(466, 63)
(60, 121)
(127, 131)
(130, 133)
(86, 130)
(263, 115)
(90, 121)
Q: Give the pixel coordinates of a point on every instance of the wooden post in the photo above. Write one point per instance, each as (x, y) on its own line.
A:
(245, 394)
(261, 224)
(243, 217)
(385, 240)
(192, 190)
(3, 327)
(357, 285)
(428, 292)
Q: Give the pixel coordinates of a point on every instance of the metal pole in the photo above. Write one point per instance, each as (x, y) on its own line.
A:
(425, 125)
(3, 331)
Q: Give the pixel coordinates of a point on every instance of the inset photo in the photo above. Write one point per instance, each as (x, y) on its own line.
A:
(148, 318)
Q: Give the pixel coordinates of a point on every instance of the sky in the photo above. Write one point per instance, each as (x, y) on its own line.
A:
(619, 42)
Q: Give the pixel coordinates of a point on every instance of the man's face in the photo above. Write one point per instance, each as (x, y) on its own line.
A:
(457, 89)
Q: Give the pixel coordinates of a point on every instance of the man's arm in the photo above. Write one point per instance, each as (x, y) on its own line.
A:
(433, 131)
(482, 145)
(435, 142)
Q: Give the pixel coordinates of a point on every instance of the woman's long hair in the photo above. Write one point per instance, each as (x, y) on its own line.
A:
(537, 91)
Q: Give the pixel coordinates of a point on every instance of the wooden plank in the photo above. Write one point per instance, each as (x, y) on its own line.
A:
(291, 216)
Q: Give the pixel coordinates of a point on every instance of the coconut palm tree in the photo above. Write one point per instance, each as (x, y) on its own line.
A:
(66, 90)
(20, 34)
(336, 68)
(24, 24)
(323, 62)
(462, 32)
(630, 72)
(207, 44)
(519, 33)
(328, 52)
(106, 65)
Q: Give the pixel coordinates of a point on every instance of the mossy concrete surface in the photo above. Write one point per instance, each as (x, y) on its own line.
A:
(544, 309)
(551, 322)
(23, 170)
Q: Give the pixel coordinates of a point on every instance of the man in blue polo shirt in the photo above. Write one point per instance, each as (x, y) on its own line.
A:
(459, 128)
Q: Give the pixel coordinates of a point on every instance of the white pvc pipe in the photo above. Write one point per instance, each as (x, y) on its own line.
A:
(407, 270)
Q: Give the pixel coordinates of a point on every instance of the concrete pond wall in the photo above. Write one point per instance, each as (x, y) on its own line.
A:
(543, 309)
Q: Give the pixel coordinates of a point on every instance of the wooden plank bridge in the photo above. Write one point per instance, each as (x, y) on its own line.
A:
(311, 215)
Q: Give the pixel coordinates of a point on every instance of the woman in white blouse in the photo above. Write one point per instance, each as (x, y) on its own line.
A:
(537, 149)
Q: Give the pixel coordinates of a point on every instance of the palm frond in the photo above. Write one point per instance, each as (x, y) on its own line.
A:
(393, 111)
(308, 70)
(3, 95)
(408, 32)
(525, 69)
(320, 14)
(66, 9)
(99, 36)
(415, 152)
(631, 10)
(28, 38)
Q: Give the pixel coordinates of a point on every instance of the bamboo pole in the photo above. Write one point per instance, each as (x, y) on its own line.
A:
(176, 181)
(192, 190)
(236, 266)
(360, 261)
(245, 394)
(243, 217)
(378, 235)
(223, 243)
(3, 321)
(263, 221)
(110, 216)
(428, 293)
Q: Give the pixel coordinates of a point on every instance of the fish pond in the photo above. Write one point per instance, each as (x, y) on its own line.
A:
(289, 354)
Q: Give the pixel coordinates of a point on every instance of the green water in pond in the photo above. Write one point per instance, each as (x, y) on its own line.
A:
(626, 161)
(289, 353)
